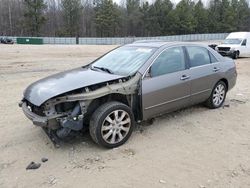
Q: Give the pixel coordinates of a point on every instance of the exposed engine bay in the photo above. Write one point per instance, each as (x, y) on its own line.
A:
(71, 111)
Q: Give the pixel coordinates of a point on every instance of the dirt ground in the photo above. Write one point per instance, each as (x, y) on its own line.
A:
(191, 148)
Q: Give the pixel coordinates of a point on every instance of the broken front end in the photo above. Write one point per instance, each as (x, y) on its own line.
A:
(63, 117)
(71, 111)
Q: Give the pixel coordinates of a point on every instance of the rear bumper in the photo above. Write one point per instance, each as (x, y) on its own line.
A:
(36, 119)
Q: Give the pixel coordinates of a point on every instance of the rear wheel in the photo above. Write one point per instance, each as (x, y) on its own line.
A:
(112, 124)
(217, 96)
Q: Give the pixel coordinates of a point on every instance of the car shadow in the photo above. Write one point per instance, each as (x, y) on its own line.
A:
(83, 139)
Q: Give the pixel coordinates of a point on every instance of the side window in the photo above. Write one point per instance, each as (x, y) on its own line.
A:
(244, 43)
(198, 56)
(169, 61)
(213, 59)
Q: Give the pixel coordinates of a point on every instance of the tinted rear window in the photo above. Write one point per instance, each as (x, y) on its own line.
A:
(198, 56)
(213, 59)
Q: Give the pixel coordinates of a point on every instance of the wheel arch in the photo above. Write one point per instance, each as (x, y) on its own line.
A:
(225, 81)
(94, 104)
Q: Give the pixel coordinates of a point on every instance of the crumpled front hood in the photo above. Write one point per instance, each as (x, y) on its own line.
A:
(52, 86)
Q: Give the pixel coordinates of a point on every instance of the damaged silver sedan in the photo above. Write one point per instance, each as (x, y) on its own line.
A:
(130, 84)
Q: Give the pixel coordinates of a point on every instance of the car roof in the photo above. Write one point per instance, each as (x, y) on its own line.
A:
(159, 44)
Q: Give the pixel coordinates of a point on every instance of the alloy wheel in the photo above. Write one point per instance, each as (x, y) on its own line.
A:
(219, 94)
(116, 126)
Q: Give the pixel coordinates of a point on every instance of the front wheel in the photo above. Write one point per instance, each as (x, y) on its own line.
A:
(236, 55)
(111, 124)
(217, 96)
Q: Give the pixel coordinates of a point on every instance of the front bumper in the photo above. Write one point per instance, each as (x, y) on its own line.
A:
(36, 119)
(226, 53)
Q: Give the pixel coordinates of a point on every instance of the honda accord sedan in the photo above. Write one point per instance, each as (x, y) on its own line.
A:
(130, 84)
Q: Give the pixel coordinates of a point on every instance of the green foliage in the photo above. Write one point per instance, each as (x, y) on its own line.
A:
(161, 17)
(107, 18)
(72, 12)
(104, 18)
(242, 16)
(185, 18)
(133, 17)
(34, 16)
(145, 19)
(201, 16)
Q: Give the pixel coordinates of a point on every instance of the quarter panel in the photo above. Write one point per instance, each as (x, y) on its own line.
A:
(203, 79)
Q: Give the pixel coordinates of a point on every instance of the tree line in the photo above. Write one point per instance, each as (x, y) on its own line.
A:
(105, 18)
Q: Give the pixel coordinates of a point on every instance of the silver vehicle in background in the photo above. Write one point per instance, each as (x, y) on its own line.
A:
(130, 84)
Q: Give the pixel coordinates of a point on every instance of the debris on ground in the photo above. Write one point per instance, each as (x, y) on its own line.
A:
(44, 159)
(33, 166)
(163, 181)
(97, 159)
(129, 152)
(226, 105)
(101, 167)
(202, 186)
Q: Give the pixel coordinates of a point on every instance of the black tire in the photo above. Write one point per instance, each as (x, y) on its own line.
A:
(210, 102)
(236, 55)
(98, 120)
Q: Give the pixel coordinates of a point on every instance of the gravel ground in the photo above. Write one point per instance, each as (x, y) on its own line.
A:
(194, 147)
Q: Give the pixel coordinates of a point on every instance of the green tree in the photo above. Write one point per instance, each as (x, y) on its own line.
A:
(34, 16)
(161, 17)
(107, 18)
(72, 12)
(243, 15)
(228, 16)
(201, 17)
(214, 16)
(145, 19)
(134, 17)
(185, 17)
(227, 23)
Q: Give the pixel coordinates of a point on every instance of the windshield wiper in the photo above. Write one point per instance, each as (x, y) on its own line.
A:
(103, 69)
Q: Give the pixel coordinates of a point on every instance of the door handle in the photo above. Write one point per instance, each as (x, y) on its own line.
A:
(185, 77)
(216, 69)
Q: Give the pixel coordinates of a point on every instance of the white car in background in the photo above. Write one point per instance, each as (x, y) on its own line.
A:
(235, 45)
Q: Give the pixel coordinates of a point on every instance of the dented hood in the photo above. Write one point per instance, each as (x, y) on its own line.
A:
(52, 86)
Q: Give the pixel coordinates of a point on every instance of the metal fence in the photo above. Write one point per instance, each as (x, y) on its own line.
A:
(127, 40)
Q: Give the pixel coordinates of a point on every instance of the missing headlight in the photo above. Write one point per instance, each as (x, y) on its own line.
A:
(65, 107)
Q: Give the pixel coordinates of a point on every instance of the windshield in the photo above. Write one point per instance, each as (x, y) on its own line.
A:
(232, 41)
(124, 60)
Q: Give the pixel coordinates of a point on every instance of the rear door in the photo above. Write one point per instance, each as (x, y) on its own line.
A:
(204, 72)
(166, 86)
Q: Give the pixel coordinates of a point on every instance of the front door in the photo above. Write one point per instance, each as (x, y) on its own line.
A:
(167, 84)
(245, 48)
